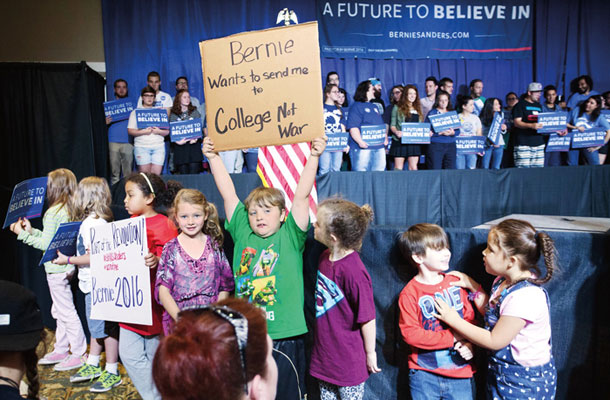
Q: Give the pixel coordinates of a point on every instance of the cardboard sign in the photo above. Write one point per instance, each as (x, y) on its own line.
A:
(337, 141)
(553, 121)
(558, 143)
(495, 130)
(263, 88)
(120, 281)
(415, 133)
(190, 129)
(64, 240)
(119, 110)
(373, 135)
(152, 117)
(442, 122)
(27, 200)
(469, 144)
(593, 137)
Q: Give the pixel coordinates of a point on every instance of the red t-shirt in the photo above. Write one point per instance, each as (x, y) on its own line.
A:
(159, 230)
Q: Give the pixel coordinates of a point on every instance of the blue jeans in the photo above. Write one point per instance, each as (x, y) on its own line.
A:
(466, 161)
(367, 160)
(492, 157)
(552, 159)
(440, 155)
(330, 161)
(251, 158)
(591, 157)
(425, 385)
(137, 353)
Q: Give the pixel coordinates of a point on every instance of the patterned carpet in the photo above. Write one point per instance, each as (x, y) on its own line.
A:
(56, 385)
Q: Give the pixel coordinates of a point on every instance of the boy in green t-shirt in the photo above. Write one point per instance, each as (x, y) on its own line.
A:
(268, 259)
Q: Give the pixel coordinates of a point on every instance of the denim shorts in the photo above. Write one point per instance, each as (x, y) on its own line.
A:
(96, 326)
(149, 155)
(426, 385)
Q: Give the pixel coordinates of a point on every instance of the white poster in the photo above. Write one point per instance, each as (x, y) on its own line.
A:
(120, 280)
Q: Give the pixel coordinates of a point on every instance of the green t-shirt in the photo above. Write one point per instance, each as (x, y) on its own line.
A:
(269, 272)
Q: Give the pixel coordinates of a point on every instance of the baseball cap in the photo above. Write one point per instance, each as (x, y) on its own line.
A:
(20, 318)
(534, 87)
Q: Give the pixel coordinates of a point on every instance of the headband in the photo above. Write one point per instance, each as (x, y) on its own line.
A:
(148, 181)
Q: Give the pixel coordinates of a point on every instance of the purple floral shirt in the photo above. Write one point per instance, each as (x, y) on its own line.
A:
(192, 281)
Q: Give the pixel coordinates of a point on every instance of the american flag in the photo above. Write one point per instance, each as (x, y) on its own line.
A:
(280, 167)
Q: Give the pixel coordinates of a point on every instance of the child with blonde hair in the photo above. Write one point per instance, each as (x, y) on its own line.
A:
(193, 269)
(70, 342)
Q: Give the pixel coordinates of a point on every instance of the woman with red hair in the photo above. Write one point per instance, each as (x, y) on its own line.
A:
(220, 351)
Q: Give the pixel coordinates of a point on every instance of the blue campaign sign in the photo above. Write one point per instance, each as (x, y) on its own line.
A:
(64, 240)
(495, 130)
(593, 137)
(373, 135)
(337, 141)
(190, 129)
(469, 144)
(118, 110)
(27, 200)
(152, 117)
(606, 113)
(558, 143)
(553, 121)
(442, 29)
(415, 133)
(442, 122)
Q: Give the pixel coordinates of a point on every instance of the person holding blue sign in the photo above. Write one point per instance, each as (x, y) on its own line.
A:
(334, 126)
(407, 110)
(120, 150)
(471, 126)
(551, 158)
(441, 150)
(529, 144)
(586, 116)
(149, 147)
(188, 158)
(493, 151)
(476, 91)
(366, 156)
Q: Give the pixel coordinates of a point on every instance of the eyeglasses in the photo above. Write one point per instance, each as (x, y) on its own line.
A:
(239, 324)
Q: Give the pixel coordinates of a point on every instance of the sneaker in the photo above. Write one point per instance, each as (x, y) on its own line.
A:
(87, 372)
(69, 363)
(106, 382)
(53, 358)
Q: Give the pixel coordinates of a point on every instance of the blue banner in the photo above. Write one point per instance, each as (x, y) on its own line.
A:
(442, 122)
(64, 240)
(190, 129)
(558, 143)
(118, 110)
(469, 144)
(379, 29)
(593, 137)
(415, 133)
(152, 117)
(337, 141)
(27, 200)
(495, 130)
(553, 121)
(373, 135)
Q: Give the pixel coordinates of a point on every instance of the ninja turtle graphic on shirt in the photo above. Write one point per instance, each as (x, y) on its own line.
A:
(254, 280)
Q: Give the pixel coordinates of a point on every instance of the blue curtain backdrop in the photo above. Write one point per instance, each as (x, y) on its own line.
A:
(162, 35)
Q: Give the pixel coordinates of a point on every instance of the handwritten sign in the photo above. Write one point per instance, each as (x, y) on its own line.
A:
(442, 122)
(373, 135)
(495, 130)
(552, 121)
(558, 143)
(190, 129)
(593, 137)
(415, 133)
(119, 110)
(469, 144)
(337, 141)
(152, 117)
(263, 88)
(120, 281)
(64, 240)
(27, 200)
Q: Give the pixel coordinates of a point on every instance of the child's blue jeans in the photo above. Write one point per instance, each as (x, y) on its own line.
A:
(428, 386)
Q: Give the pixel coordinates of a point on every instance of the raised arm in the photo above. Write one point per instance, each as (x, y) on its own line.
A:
(300, 203)
(222, 178)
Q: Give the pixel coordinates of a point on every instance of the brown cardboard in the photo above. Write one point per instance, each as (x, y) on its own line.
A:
(263, 87)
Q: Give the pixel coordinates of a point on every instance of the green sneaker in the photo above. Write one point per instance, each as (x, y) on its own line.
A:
(106, 382)
(87, 372)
